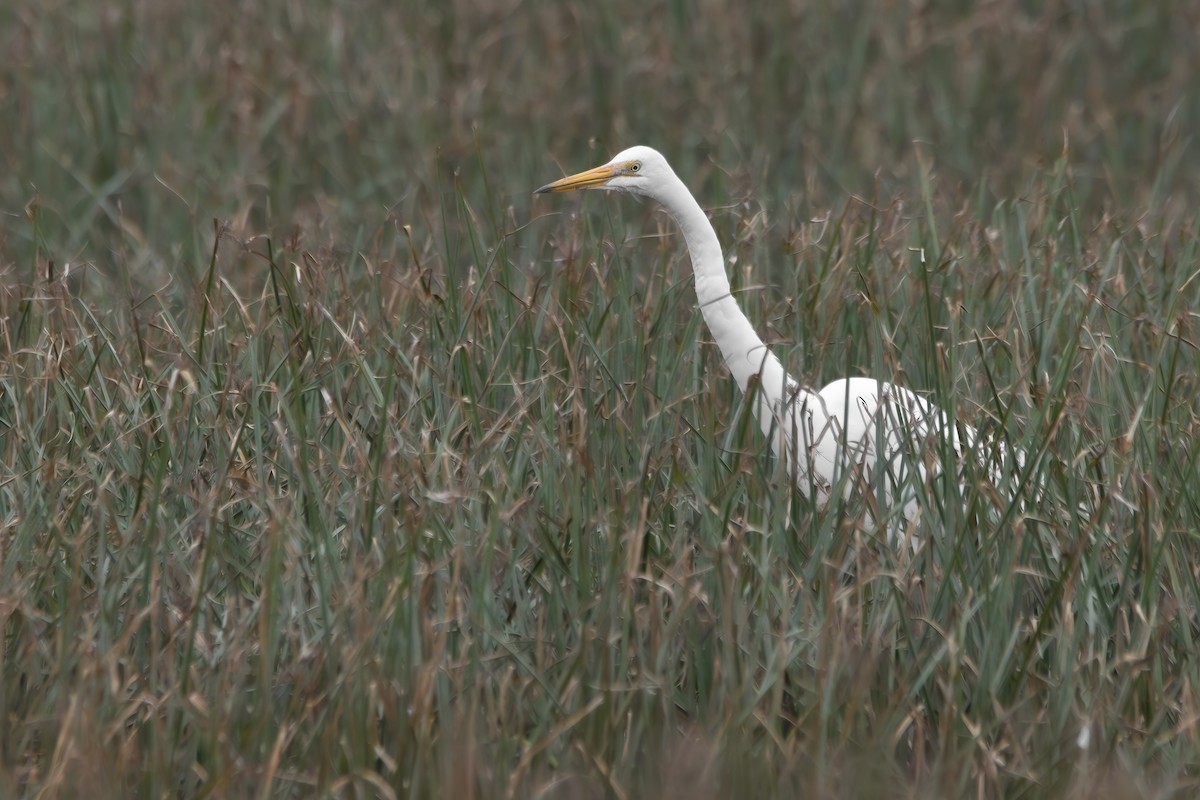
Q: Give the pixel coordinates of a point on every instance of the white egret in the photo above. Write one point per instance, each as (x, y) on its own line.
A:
(832, 440)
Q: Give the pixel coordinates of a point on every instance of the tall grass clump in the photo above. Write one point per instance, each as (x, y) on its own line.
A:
(372, 526)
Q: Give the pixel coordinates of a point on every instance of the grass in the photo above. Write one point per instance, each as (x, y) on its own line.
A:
(396, 482)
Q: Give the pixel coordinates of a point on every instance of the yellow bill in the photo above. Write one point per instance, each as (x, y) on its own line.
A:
(597, 176)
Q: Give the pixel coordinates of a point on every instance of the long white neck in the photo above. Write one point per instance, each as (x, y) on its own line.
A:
(745, 353)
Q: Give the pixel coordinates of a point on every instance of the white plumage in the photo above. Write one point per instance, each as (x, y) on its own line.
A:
(855, 431)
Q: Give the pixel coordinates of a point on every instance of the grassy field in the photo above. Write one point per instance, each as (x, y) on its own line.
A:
(335, 464)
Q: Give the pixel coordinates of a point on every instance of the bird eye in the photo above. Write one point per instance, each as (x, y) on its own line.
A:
(635, 166)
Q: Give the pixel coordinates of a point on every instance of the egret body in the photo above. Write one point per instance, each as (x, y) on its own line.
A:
(831, 440)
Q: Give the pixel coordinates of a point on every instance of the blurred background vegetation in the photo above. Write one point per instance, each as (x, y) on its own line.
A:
(132, 125)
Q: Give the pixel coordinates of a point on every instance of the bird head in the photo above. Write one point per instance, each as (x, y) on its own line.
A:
(638, 170)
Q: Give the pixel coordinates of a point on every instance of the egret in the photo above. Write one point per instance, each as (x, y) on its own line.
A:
(855, 432)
